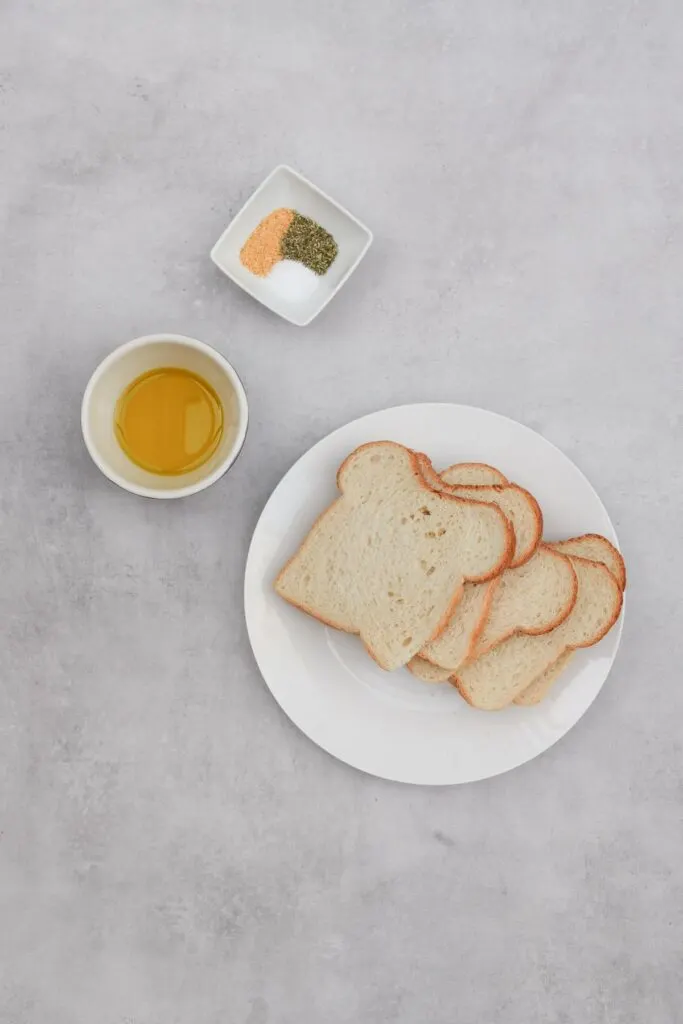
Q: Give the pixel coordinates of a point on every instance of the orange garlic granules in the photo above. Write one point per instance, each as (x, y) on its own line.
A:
(262, 250)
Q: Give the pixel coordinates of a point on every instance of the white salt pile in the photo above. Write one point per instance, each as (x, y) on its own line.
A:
(292, 280)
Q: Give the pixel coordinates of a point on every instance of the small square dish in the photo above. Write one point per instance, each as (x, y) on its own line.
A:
(297, 301)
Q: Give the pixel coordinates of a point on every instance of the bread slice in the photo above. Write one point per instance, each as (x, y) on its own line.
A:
(389, 557)
(598, 549)
(496, 678)
(474, 474)
(520, 507)
(591, 546)
(535, 693)
(452, 647)
(428, 673)
(533, 599)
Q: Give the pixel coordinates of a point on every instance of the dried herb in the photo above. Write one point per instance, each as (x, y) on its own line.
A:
(287, 235)
(309, 243)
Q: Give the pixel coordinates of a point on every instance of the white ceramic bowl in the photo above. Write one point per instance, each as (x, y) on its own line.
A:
(121, 367)
(285, 187)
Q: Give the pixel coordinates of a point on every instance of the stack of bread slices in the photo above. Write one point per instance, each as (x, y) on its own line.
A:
(448, 574)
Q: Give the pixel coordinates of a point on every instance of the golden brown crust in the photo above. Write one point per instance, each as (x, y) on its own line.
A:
(361, 448)
(477, 631)
(563, 660)
(526, 553)
(316, 615)
(417, 472)
(435, 481)
(431, 476)
(454, 681)
(424, 470)
(538, 516)
(283, 570)
(479, 625)
(564, 614)
(619, 558)
(446, 618)
(618, 602)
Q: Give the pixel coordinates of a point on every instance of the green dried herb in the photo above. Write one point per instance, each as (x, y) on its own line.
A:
(307, 242)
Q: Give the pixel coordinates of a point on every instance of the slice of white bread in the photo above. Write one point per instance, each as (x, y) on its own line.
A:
(474, 474)
(520, 507)
(496, 678)
(389, 557)
(427, 672)
(452, 646)
(591, 546)
(533, 599)
(598, 549)
(535, 693)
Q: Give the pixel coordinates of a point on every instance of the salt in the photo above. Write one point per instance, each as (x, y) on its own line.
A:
(293, 281)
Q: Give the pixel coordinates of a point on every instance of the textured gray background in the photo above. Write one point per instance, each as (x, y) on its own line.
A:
(172, 850)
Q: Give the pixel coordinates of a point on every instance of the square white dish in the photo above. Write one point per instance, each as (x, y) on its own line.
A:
(285, 187)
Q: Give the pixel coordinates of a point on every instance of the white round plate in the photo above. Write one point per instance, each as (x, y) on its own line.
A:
(391, 724)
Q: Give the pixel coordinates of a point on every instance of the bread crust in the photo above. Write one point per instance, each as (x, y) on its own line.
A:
(526, 553)
(565, 658)
(435, 481)
(620, 575)
(430, 474)
(420, 480)
(421, 461)
(479, 625)
(519, 631)
(616, 611)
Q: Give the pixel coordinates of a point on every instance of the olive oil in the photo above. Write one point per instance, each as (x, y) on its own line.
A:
(169, 421)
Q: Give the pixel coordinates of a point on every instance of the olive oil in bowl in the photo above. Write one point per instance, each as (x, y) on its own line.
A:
(169, 421)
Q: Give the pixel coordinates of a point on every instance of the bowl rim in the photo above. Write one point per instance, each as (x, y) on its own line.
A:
(234, 222)
(142, 342)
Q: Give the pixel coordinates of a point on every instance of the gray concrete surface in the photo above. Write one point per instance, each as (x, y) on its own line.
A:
(172, 851)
